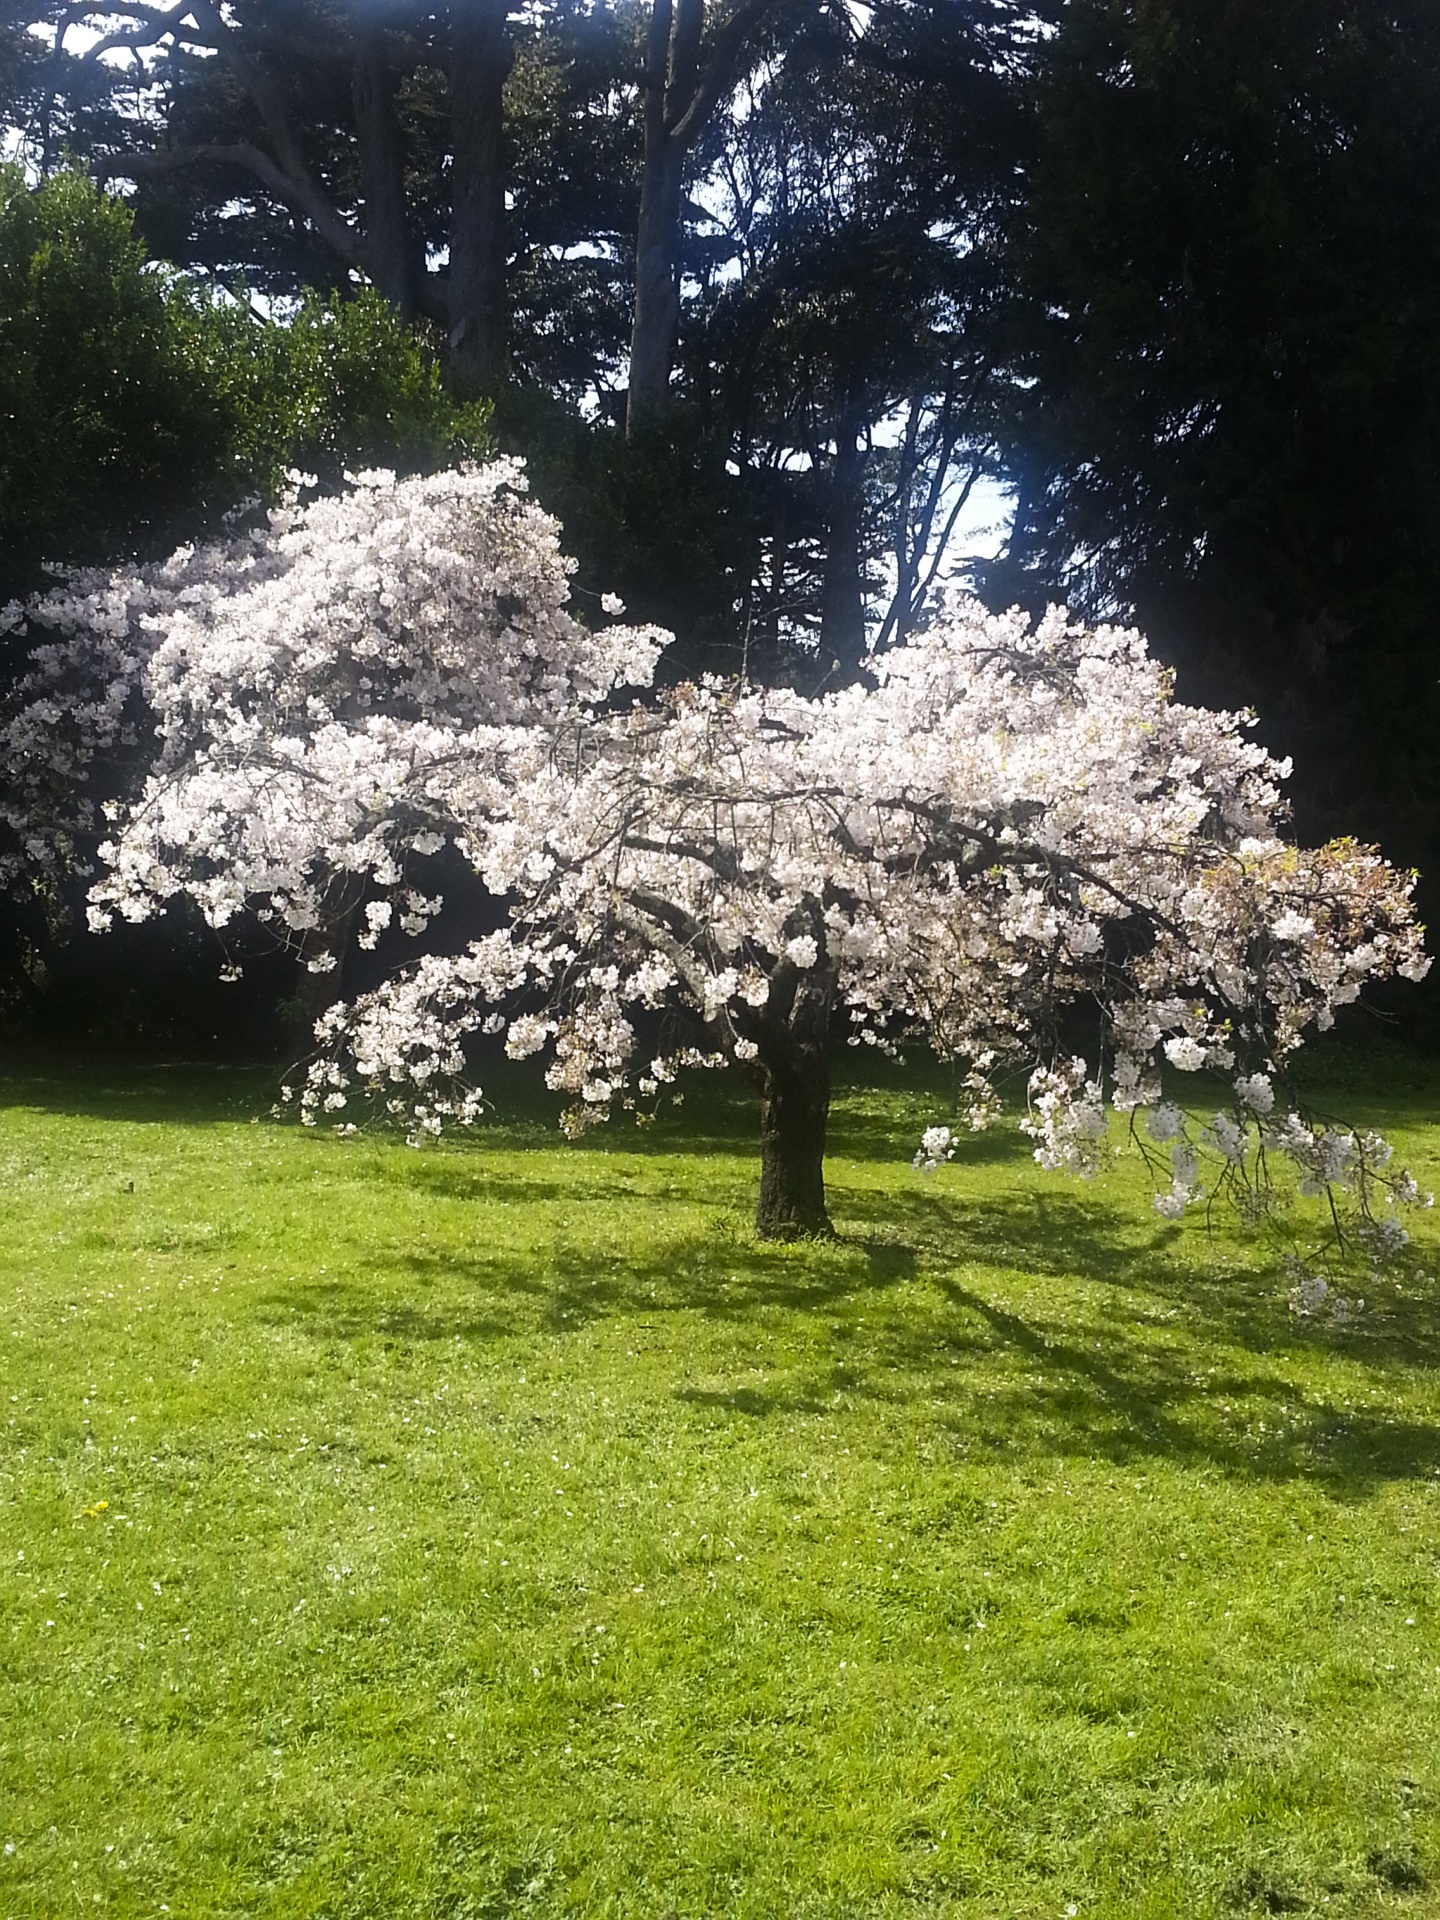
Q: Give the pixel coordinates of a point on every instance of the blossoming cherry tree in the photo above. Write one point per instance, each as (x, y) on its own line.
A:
(1004, 818)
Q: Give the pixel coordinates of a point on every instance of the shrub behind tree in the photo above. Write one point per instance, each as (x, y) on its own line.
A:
(139, 407)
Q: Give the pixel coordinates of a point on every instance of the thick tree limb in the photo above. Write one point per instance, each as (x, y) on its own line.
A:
(301, 196)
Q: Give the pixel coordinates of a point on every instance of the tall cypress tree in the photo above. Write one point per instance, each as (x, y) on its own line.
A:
(1227, 302)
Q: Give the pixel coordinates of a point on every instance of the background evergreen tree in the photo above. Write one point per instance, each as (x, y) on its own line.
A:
(1226, 300)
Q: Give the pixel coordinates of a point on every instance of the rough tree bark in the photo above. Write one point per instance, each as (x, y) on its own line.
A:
(389, 253)
(842, 606)
(481, 56)
(794, 1075)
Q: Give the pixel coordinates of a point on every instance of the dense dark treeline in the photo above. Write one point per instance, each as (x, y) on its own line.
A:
(1229, 306)
(765, 290)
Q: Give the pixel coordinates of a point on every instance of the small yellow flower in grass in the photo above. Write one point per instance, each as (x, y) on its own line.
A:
(93, 1513)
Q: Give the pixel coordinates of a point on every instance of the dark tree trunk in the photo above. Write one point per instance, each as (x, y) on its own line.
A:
(794, 1112)
(316, 993)
(480, 60)
(389, 253)
(842, 606)
(794, 1074)
(672, 50)
(680, 95)
(657, 286)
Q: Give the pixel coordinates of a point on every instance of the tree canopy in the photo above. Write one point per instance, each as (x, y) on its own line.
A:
(1003, 820)
(139, 408)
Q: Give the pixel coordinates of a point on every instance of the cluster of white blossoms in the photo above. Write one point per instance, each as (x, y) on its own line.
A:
(75, 721)
(937, 1145)
(330, 693)
(1067, 1119)
(1005, 817)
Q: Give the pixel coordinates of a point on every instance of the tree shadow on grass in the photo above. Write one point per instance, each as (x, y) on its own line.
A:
(815, 1397)
(1121, 1350)
(441, 1296)
(1211, 1278)
(988, 1382)
(728, 1276)
(1124, 1346)
(471, 1178)
(346, 1312)
(1123, 1400)
(1050, 1325)
(1169, 1354)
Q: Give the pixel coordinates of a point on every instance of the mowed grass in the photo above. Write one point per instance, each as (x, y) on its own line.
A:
(501, 1530)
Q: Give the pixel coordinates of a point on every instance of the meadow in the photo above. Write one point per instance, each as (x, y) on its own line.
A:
(501, 1530)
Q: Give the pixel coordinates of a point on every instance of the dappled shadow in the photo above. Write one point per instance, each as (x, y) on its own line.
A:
(1171, 1354)
(726, 1275)
(443, 1296)
(458, 1176)
(1038, 1324)
(1160, 1361)
(1045, 1322)
(1123, 1378)
(887, 1259)
(758, 1403)
(1119, 1398)
(993, 1382)
(1078, 1234)
(348, 1311)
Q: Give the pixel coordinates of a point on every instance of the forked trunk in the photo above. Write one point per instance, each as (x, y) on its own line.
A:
(794, 1111)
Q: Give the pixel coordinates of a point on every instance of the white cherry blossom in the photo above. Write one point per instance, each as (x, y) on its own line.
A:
(1003, 818)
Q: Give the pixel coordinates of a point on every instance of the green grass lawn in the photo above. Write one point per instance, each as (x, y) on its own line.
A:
(501, 1530)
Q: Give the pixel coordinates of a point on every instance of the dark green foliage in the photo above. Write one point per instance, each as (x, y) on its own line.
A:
(659, 521)
(344, 384)
(138, 407)
(107, 436)
(833, 257)
(1228, 299)
(843, 340)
